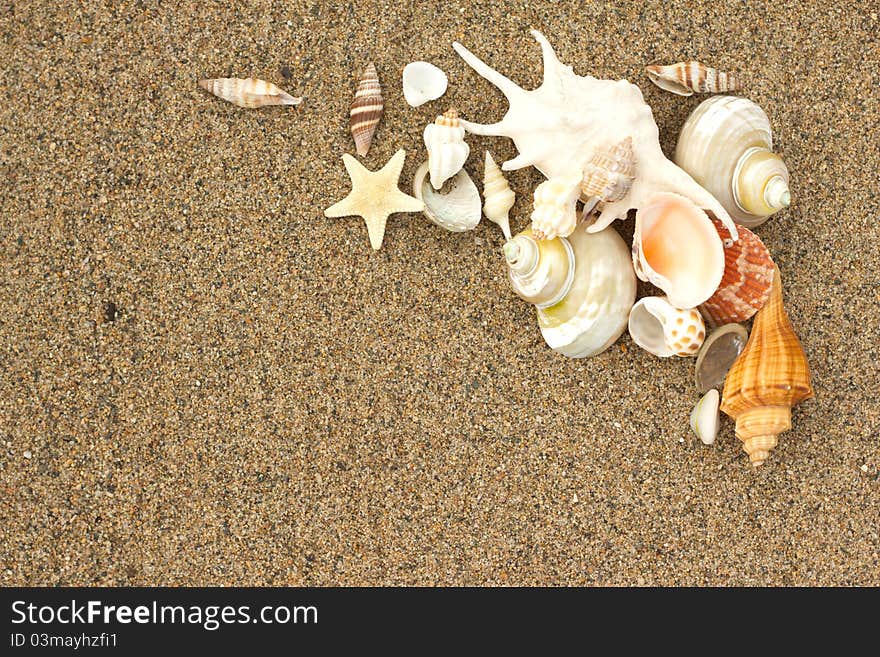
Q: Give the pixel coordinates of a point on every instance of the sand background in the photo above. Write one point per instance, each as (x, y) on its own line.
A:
(204, 381)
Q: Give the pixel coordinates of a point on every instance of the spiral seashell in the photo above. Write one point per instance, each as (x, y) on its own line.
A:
(769, 378)
(248, 92)
(704, 417)
(498, 196)
(684, 78)
(583, 287)
(447, 150)
(745, 285)
(366, 110)
(456, 207)
(676, 247)
(726, 145)
(423, 82)
(720, 350)
(555, 213)
(608, 175)
(663, 330)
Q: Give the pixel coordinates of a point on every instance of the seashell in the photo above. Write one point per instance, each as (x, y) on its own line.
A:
(684, 78)
(498, 196)
(556, 128)
(583, 287)
(447, 150)
(727, 146)
(769, 378)
(745, 285)
(366, 110)
(676, 247)
(704, 417)
(248, 92)
(456, 207)
(719, 351)
(658, 327)
(555, 212)
(423, 82)
(608, 175)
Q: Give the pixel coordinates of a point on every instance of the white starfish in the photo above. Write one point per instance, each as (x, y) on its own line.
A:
(374, 196)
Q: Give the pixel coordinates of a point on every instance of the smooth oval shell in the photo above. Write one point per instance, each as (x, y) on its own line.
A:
(455, 207)
(726, 145)
(684, 78)
(593, 314)
(423, 82)
(663, 330)
(720, 350)
(248, 92)
(704, 417)
(745, 285)
(676, 248)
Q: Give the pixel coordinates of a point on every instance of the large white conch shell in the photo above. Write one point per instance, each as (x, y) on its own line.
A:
(447, 150)
(558, 126)
(676, 247)
(583, 287)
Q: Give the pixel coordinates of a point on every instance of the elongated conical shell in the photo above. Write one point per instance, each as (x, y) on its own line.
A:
(498, 196)
(248, 92)
(609, 174)
(769, 378)
(366, 110)
(745, 285)
(727, 146)
(704, 417)
(684, 78)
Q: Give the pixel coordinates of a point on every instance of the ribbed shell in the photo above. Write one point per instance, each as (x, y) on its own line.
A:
(684, 78)
(248, 92)
(609, 174)
(447, 149)
(366, 110)
(745, 285)
(769, 378)
(498, 195)
(555, 202)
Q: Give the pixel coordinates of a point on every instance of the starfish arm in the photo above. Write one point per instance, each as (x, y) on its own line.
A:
(376, 229)
(344, 208)
(400, 202)
(394, 166)
(356, 170)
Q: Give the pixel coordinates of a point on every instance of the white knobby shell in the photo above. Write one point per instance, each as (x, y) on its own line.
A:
(556, 127)
(497, 194)
(676, 247)
(663, 330)
(727, 146)
(423, 82)
(555, 212)
(704, 417)
(456, 207)
(447, 150)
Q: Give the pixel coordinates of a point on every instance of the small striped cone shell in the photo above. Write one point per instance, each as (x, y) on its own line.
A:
(609, 174)
(248, 92)
(366, 110)
(745, 285)
(684, 78)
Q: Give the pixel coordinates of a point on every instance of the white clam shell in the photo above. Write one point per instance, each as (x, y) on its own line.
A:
(593, 313)
(676, 247)
(663, 330)
(423, 82)
(455, 207)
(557, 126)
(727, 146)
(704, 417)
(447, 151)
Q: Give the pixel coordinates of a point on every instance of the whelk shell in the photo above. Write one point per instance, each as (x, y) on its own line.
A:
(663, 330)
(769, 378)
(720, 350)
(555, 212)
(447, 150)
(498, 196)
(248, 92)
(366, 110)
(684, 78)
(745, 285)
(608, 175)
(704, 417)
(423, 82)
(455, 207)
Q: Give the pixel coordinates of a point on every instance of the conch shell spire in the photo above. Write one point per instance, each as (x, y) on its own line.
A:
(558, 126)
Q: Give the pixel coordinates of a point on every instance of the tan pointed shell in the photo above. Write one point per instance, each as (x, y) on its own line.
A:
(248, 92)
(498, 195)
(609, 174)
(366, 110)
(684, 78)
(745, 285)
(769, 378)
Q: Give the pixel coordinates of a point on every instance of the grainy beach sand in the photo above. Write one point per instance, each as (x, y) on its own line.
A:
(204, 381)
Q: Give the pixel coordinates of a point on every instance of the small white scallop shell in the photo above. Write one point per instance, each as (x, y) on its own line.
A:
(555, 213)
(456, 207)
(447, 150)
(704, 417)
(423, 82)
(663, 330)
